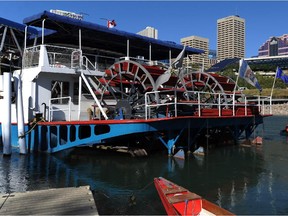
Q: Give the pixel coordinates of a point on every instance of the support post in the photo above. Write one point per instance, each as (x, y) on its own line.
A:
(79, 97)
(128, 47)
(172, 139)
(6, 124)
(189, 137)
(20, 115)
(43, 31)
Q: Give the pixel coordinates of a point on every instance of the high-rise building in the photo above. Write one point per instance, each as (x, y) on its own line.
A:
(198, 43)
(230, 37)
(149, 32)
(274, 46)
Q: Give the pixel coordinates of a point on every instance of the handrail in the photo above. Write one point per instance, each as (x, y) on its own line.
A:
(94, 96)
(57, 56)
(88, 64)
(232, 105)
(146, 61)
(51, 110)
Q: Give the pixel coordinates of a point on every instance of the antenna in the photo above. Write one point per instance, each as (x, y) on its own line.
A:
(236, 10)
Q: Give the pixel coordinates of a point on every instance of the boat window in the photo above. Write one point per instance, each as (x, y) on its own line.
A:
(59, 92)
(85, 92)
(13, 93)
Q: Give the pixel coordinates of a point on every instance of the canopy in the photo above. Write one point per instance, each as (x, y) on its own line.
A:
(101, 38)
(17, 26)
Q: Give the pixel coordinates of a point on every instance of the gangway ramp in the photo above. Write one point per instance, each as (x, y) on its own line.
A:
(60, 201)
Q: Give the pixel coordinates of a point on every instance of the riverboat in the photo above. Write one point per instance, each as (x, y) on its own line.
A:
(82, 83)
(180, 201)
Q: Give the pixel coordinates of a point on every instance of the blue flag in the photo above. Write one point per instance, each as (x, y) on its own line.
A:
(246, 73)
(281, 75)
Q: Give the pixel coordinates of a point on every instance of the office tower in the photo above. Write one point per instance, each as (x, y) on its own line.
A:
(274, 46)
(149, 32)
(199, 43)
(230, 37)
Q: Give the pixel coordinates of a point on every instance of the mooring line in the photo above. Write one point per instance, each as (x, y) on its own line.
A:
(5, 200)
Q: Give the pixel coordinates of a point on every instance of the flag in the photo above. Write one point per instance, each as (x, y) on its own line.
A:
(111, 24)
(163, 78)
(179, 60)
(246, 73)
(281, 75)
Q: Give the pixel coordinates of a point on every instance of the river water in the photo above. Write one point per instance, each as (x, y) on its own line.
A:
(244, 180)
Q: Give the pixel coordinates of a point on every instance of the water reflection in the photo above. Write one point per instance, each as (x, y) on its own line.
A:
(13, 174)
(241, 179)
(126, 184)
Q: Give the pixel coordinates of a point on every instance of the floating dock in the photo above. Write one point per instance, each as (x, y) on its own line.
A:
(62, 201)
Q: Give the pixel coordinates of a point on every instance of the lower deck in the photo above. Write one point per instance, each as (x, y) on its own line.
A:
(190, 131)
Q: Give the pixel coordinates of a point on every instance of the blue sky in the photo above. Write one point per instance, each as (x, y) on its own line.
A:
(173, 19)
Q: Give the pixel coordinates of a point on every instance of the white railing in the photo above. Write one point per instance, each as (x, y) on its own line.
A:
(65, 57)
(206, 100)
(31, 57)
(87, 64)
(53, 108)
(142, 60)
(59, 57)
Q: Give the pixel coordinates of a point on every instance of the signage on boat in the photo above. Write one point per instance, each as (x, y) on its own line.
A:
(68, 14)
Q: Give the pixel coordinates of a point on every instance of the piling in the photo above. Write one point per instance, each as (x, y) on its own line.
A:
(20, 115)
(6, 124)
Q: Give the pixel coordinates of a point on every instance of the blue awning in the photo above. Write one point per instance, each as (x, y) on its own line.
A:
(104, 38)
(17, 26)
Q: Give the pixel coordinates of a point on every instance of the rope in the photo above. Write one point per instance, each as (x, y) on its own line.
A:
(132, 197)
(146, 186)
(6, 198)
(33, 123)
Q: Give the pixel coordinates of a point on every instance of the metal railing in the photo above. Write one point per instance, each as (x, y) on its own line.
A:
(87, 64)
(31, 57)
(65, 57)
(206, 100)
(60, 57)
(66, 107)
(142, 60)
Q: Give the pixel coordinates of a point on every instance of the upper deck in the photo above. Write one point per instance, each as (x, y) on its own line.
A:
(102, 40)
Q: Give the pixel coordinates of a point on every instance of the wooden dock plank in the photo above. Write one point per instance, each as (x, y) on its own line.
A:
(62, 201)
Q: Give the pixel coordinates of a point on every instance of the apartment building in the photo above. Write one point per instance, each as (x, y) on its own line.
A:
(199, 43)
(149, 32)
(230, 37)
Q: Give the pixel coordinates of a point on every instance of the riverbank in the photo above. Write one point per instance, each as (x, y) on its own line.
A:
(279, 109)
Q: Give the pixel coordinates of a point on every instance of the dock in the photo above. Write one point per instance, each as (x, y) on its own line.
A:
(62, 201)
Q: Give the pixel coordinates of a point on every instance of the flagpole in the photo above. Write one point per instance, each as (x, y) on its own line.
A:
(236, 83)
(274, 82)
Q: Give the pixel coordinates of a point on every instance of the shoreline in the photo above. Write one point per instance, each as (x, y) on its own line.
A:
(278, 109)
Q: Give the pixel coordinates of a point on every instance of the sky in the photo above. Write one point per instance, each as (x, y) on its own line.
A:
(173, 19)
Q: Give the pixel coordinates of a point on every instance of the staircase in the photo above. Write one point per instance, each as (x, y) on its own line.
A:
(93, 83)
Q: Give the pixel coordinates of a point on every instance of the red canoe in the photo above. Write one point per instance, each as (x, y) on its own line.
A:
(179, 201)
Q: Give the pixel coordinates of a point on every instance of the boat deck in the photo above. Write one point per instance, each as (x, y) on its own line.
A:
(63, 201)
